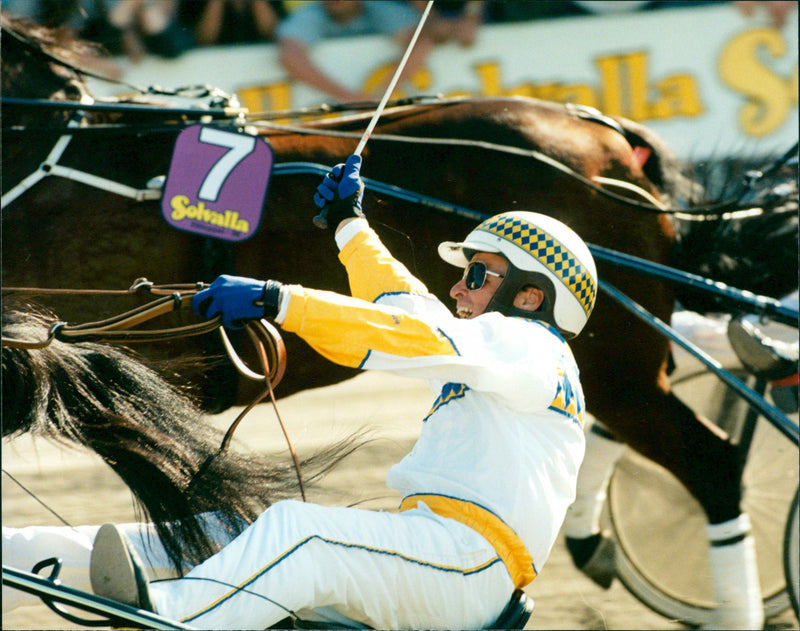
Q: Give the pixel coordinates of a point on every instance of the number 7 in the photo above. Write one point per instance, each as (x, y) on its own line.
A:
(239, 147)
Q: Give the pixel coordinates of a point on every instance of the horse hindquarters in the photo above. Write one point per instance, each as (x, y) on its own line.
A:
(692, 448)
(634, 400)
(661, 427)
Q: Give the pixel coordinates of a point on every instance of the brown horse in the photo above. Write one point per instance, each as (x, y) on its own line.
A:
(484, 154)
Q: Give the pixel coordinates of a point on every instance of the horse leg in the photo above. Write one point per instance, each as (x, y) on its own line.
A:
(703, 458)
(592, 551)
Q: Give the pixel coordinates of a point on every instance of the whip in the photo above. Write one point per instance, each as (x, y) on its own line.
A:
(321, 220)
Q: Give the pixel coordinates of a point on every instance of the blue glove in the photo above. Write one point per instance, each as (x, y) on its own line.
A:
(339, 195)
(237, 299)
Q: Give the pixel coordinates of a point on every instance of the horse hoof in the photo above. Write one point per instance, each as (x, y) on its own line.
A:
(595, 557)
(115, 570)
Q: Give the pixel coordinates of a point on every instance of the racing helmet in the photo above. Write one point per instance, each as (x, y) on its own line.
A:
(543, 252)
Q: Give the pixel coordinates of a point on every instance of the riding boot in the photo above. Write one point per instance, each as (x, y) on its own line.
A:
(592, 551)
(734, 573)
(116, 572)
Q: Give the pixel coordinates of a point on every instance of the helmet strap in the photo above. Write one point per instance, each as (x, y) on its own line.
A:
(515, 280)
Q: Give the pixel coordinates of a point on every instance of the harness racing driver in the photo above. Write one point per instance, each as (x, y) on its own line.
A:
(489, 480)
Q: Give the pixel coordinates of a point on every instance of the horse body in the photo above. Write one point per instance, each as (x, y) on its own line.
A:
(106, 240)
(484, 154)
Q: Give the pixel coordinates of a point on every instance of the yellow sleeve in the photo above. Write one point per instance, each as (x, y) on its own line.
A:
(373, 271)
(346, 330)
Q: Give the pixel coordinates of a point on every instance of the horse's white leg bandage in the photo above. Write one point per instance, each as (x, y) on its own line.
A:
(734, 572)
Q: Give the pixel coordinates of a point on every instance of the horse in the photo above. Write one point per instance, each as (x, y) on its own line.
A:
(610, 179)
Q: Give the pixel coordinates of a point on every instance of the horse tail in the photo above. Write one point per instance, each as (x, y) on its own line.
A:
(149, 432)
(755, 250)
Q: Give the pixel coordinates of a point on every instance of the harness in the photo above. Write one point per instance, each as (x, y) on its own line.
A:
(620, 191)
(121, 329)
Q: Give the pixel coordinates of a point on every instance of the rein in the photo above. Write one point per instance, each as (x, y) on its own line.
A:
(599, 184)
(197, 112)
(120, 329)
(607, 187)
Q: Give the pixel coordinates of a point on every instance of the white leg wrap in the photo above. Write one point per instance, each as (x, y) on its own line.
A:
(734, 572)
(583, 517)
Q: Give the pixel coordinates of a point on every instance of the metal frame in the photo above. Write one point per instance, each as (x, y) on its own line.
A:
(51, 591)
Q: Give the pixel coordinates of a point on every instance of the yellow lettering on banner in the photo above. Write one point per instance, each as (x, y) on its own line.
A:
(492, 85)
(525, 89)
(576, 93)
(421, 80)
(182, 209)
(489, 76)
(679, 97)
(377, 78)
(637, 88)
(770, 97)
(378, 81)
(611, 80)
(626, 87)
(272, 97)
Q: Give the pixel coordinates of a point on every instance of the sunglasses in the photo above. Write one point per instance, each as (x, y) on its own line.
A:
(475, 275)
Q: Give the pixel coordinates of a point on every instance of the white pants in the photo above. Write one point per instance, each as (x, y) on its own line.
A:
(386, 570)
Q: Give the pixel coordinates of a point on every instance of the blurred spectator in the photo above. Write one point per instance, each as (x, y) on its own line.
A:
(148, 26)
(316, 21)
(612, 6)
(220, 22)
(517, 10)
(84, 18)
(777, 10)
(615, 6)
(453, 20)
(49, 13)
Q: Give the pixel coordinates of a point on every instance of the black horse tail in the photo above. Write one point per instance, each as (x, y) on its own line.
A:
(754, 249)
(148, 431)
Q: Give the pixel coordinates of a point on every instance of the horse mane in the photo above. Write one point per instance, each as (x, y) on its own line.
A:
(63, 51)
(757, 251)
(149, 431)
(57, 41)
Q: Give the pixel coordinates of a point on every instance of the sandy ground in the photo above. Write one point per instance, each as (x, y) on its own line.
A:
(83, 490)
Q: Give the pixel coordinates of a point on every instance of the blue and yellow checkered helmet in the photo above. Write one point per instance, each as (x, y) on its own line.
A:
(544, 252)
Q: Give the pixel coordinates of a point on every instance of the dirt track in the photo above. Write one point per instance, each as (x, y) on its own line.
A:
(83, 490)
